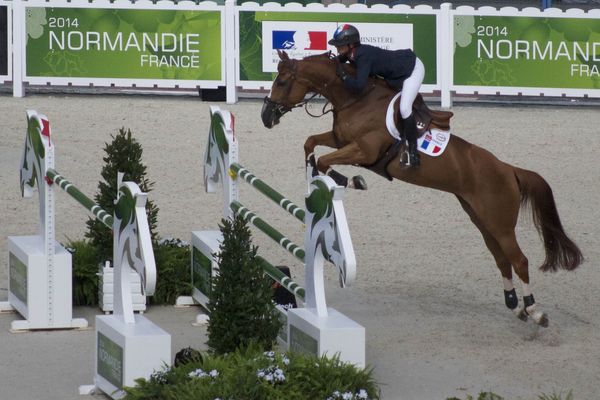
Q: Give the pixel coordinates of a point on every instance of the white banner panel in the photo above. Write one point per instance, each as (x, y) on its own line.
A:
(302, 39)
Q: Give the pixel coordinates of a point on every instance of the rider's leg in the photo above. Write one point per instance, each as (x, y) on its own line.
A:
(410, 90)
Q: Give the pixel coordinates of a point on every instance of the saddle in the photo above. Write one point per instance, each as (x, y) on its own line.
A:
(426, 119)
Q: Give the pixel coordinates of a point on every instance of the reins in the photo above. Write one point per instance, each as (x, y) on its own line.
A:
(281, 109)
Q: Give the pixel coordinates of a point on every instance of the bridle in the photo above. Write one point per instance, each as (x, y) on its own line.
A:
(282, 109)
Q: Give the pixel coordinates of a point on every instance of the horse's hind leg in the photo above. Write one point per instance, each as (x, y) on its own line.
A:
(510, 296)
(498, 232)
(510, 247)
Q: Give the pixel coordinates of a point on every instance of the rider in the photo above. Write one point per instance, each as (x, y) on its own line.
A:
(401, 69)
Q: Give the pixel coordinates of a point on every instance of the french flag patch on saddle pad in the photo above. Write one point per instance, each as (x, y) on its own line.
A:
(433, 142)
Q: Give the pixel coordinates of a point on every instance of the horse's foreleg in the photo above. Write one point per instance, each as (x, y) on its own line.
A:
(350, 154)
(322, 139)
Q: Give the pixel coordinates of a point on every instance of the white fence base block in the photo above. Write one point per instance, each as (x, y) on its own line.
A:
(38, 290)
(5, 307)
(335, 334)
(87, 390)
(185, 301)
(201, 320)
(126, 352)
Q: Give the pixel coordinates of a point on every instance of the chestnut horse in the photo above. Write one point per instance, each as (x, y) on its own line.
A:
(489, 190)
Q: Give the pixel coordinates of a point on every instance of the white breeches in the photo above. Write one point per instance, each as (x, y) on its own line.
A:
(410, 89)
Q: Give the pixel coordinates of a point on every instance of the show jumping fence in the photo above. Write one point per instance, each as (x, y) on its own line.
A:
(40, 284)
(40, 273)
(315, 328)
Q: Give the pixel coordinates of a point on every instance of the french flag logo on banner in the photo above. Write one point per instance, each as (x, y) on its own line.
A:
(318, 40)
(283, 40)
(299, 40)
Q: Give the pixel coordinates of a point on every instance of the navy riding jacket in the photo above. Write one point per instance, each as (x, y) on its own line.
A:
(392, 65)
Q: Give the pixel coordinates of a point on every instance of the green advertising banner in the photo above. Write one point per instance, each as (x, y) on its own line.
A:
(201, 272)
(251, 42)
(18, 277)
(301, 342)
(124, 43)
(110, 361)
(538, 52)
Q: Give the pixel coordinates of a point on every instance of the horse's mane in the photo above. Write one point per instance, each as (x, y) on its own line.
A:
(327, 58)
(319, 57)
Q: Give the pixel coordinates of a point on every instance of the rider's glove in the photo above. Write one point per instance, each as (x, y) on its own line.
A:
(339, 71)
(342, 58)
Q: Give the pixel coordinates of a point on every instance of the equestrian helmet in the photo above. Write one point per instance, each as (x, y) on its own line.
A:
(345, 34)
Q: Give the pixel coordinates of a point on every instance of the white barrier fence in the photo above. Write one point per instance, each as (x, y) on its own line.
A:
(187, 45)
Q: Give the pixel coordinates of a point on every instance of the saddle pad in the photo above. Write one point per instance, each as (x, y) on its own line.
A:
(433, 142)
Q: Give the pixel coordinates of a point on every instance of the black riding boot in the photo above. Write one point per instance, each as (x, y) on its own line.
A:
(410, 131)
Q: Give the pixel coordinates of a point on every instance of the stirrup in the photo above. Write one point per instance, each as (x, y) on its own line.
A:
(405, 159)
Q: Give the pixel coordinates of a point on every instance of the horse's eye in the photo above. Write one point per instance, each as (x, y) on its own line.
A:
(280, 82)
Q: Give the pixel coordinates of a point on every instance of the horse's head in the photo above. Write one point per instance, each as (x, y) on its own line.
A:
(288, 90)
(285, 93)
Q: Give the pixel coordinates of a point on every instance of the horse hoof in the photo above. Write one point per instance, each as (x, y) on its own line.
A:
(521, 313)
(541, 319)
(359, 183)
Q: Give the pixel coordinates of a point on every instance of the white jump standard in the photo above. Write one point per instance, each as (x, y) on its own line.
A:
(39, 268)
(129, 346)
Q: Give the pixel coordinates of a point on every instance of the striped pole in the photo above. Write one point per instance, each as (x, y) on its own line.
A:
(267, 229)
(268, 191)
(282, 278)
(81, 198)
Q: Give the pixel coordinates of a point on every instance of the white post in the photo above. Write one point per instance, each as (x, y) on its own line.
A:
(314, 281)
(18, 57)
(122, 298)
(230, 185)
(217, 164)
(47, 192)
(445, 47)
(230, 52)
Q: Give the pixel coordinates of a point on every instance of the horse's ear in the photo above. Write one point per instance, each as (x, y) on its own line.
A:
(283, 55)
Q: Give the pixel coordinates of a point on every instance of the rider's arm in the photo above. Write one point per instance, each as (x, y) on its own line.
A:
(363, 70)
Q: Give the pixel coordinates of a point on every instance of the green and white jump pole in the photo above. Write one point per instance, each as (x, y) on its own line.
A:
(314, 328)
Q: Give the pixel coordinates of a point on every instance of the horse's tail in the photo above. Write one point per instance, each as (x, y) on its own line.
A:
(561, 251)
